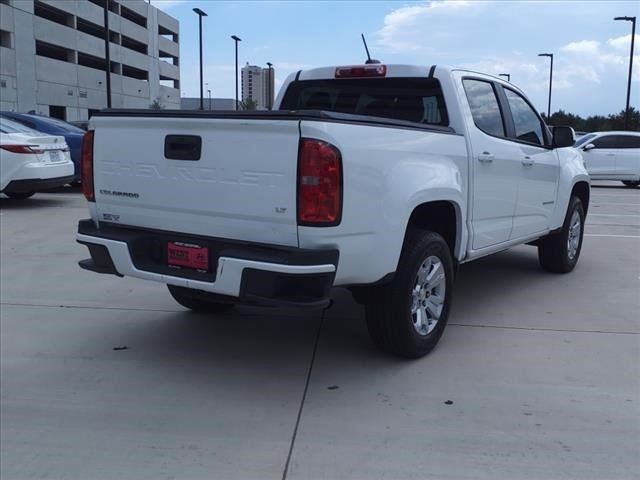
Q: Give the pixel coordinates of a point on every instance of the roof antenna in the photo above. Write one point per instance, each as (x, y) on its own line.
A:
(369, 59)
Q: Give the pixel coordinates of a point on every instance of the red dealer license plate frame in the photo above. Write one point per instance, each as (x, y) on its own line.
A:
(188, 255)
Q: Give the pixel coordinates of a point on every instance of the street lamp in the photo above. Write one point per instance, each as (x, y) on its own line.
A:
(508, 75)
(236, 39)
(107, 52)
(200, 14)
(270, 87)
(633, 36)
(550, 55)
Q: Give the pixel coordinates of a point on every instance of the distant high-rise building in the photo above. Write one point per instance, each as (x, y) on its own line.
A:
(258, 85)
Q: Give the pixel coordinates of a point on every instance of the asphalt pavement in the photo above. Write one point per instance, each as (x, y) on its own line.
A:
(536, 377)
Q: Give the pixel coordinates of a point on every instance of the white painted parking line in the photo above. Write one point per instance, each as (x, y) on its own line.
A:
(619, 204)
(612, 215)
(612, 236)
(627, 195)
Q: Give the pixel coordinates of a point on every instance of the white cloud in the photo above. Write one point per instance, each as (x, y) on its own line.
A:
(166, 4)
(583, 46)
(528, 68)
(398, 33)
(622, 43)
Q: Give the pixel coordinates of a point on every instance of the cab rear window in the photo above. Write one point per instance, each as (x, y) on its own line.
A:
(417, 100)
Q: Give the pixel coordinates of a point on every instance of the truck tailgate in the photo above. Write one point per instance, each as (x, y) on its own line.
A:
(242, 186)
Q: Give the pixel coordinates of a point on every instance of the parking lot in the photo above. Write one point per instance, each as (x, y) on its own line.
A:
(537, 375)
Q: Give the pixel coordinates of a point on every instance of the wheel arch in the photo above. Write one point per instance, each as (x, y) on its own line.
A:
(582, 191)
(440, 216)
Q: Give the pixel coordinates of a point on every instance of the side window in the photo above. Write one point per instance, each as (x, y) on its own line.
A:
(484, 105)
(526, 121)
(627, 141)
(608, 141)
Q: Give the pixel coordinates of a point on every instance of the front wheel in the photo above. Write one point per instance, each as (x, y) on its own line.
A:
(196, 300)
(559, 253)
(19, 195)
(408, 316)
(631, 183)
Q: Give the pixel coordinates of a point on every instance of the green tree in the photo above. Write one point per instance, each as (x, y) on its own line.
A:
(156, 104)
(595, 123)
(248, 104)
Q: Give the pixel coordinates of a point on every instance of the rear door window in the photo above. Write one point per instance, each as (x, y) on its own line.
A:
(526, 122)
(484, 106)
(418, 100)
(627, 141)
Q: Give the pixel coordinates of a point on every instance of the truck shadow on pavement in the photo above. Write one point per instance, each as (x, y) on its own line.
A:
(266, 340)
(236, 342)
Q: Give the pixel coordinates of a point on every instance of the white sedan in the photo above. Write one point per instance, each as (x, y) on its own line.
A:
(31, 160)
(612, 156)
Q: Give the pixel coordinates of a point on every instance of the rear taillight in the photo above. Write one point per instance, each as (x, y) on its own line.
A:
(21, 148)
(87, 166)
(360, 71)
(319, 183)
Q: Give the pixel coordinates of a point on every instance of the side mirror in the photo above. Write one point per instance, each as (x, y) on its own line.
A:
(588, 146)
(563, 137)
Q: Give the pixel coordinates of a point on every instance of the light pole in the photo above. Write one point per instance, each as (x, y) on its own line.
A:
(107, 52)
(200, 14)
(507, 75)
(633, 36)
(236, 39)
(270, 87)
(550, 55)
(209, 91)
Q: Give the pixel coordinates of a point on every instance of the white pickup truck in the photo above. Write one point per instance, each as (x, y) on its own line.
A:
(378, 178)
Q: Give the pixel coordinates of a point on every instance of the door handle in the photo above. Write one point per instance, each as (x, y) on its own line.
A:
(528, 161)
(486, 157)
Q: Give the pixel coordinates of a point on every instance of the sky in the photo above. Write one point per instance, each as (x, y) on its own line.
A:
(591, 51)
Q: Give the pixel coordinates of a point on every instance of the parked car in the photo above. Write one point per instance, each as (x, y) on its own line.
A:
(72, 134)
(31, 161)
(81, 124)
(612, 156)
(378, 178)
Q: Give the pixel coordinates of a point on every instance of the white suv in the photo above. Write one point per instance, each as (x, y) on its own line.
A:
(612, 156)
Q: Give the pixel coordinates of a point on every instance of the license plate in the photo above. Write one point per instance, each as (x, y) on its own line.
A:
(187, 255)
(54, 156)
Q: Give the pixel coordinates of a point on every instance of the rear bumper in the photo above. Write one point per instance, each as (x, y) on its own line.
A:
(35, 184)
(242, 272)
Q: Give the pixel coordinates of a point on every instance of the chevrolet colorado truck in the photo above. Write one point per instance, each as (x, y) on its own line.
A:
(378, 178)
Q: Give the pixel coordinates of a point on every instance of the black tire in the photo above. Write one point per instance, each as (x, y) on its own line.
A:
(553, 251)
(196, 300)
(631, 183)
(388, 312)
(19, 195)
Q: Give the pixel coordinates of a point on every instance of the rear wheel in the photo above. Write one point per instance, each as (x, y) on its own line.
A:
(197, 301)
(408, 316)
(631, 183)
(19, 195)
(559, 253)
